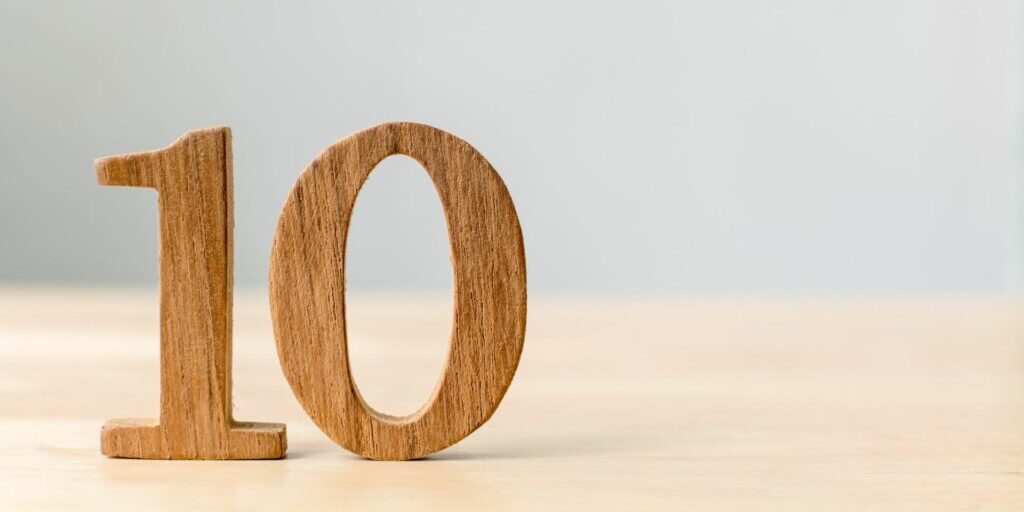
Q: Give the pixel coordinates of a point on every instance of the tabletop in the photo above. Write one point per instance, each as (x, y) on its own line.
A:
(620, 403)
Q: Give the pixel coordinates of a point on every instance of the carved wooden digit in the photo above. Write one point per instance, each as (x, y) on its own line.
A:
(193, 180)
(307, 292)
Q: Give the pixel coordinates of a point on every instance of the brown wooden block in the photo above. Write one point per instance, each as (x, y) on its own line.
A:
(193, 179)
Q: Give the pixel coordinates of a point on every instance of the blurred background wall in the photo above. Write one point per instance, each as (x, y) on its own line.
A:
(714, 146)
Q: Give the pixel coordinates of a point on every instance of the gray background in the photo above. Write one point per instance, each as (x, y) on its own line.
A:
(712, 147)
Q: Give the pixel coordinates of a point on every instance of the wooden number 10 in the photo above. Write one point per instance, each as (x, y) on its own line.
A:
(307, 292)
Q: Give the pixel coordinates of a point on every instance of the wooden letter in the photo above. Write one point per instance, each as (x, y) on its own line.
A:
(307, 292)
(193, 181)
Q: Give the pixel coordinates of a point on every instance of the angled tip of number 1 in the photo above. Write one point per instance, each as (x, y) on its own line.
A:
(193, 177)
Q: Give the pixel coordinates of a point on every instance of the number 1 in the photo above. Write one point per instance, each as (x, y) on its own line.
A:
(192, 178)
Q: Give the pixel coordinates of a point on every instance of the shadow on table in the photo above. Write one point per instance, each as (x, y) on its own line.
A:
(562, 445)
(551, 446)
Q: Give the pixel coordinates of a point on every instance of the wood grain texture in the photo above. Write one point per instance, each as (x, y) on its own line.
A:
(307, 291)
(193, 180)
(619, 404)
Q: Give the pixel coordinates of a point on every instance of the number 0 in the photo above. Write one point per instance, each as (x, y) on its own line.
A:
(307, 292)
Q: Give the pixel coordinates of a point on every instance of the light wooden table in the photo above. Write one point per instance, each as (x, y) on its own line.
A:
(624, 404)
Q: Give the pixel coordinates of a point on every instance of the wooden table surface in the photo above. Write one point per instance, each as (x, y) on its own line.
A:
(619, 404)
